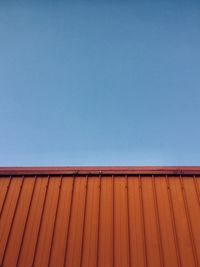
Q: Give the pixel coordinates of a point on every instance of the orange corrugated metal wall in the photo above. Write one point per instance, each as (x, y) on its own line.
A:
(100, 221)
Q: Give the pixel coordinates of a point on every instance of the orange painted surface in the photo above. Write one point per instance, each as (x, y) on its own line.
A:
(96, 220)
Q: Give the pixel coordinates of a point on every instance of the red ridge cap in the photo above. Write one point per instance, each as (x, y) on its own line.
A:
(163, 170)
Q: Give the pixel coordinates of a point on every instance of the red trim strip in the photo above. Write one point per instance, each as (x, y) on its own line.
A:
(189, 170)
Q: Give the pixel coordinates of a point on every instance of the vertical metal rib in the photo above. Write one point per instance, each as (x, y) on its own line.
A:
(69, 222)
(158, 222)
(128, 218)
(84, 218)
(194, 250)
(113, 220)
(173, 221)
(41, 219)
(196, 188)
(13, 218)
(55, 220)
(27, 216)
(143, 222)
(4, 201)
(99, 214)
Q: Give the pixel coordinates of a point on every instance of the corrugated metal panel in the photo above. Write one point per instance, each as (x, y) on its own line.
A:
(99, 220)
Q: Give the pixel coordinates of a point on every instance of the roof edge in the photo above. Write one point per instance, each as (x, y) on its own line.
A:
(103, 170)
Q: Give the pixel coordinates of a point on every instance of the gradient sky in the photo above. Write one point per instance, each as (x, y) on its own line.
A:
(99, 82)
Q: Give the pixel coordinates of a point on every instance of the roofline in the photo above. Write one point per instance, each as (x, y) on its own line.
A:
(103, 170)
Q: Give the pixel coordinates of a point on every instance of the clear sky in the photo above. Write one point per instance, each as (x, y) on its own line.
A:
(96, 82)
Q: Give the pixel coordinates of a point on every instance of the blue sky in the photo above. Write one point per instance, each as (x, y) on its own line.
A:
(99, 83)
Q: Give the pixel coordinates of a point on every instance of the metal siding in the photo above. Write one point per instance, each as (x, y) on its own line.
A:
(99, 221)
(121, 234)
(75, 235)
(8, 215)
(184, 237)
(19, 223)
(151, 228)
(168, 240)
(43, 245)
(4, 186)
(90, 234)
(106, 223)
(136, 222)
(28, 245)
(62, 223)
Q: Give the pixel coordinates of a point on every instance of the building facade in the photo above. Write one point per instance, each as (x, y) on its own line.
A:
(100, 216)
